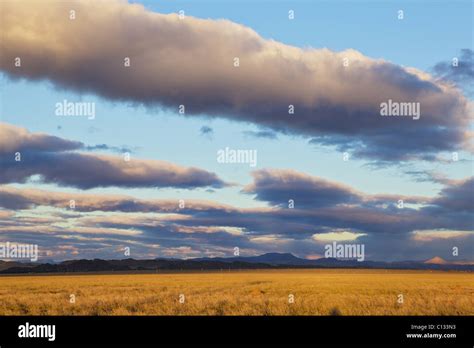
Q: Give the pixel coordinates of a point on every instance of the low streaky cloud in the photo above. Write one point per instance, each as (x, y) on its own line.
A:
(264, 134)
(208, 225)
(318, 205)
(19, 199)
(428, 235)
(55, 229)
(106, 147)
(321, 207)
(6, 214)
(17, 139)
(50, 158)
(191, 61)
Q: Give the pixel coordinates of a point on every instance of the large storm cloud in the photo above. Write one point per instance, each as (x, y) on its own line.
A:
(192, 62)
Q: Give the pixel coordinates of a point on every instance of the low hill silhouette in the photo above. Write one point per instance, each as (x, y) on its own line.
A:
(265, 261)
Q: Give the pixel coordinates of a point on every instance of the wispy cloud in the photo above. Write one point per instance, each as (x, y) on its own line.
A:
(265, 134)
(206, 131)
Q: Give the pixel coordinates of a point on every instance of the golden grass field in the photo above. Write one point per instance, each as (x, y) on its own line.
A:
(259, 292)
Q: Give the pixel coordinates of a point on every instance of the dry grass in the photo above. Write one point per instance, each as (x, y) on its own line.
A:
(317, 292)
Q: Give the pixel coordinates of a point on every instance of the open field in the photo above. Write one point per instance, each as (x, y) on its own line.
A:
(316, 292)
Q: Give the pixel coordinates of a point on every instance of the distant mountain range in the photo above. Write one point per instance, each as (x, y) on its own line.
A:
(265, 261)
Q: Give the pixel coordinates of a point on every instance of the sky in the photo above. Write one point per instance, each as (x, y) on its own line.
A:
(168, 96)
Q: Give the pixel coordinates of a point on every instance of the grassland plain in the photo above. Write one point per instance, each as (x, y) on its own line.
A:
(258, 292)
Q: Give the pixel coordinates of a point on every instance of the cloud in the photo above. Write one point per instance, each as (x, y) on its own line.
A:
(278, 186)
(50, 158)
(428, 176)
(458, 196)
(6, 214)
(324, 211)
(80, 230)
(318, 204)
(106, 147)
(329, 205)
(462, 74)
(13, 139)
(87, 171)
(337, 236)
(430, 235)
(205, 130)
(265, 134)
(17, 199)
(192, 61)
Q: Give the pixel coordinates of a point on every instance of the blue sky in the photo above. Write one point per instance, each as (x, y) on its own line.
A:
(428, 34)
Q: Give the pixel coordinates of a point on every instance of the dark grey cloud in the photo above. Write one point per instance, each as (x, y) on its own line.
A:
(279, 186)
(461, 74)
(105, 147)
(458, 196)
(206, 130)
(428, 141)
(324, 203)
(52, 160)
(265, 134)
(87, 171)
